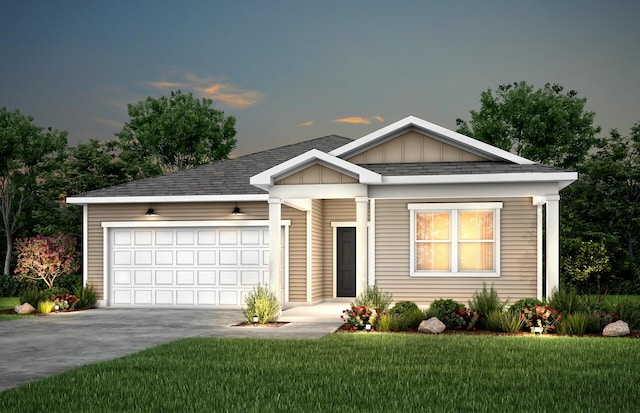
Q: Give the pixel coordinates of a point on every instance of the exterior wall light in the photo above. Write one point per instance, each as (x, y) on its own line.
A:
(150, 212)
(236, 210)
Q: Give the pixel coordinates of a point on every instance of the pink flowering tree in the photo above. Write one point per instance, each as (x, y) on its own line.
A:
(46, 258)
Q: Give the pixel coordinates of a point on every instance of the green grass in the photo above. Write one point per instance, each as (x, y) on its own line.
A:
(353, 372)
(7, 303)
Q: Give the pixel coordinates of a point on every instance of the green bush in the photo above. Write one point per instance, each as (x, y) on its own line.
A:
(522, 303)
(86, 297)
(263, 303)
(575, 323)
(506, 321)
(416, 317)
(45, 307)
(628, 310)
(50, 293)
(441, 307)
(404, 307)
(10, 286)
(485, 302)
(567, 300)
(375, 298)
(31, 295)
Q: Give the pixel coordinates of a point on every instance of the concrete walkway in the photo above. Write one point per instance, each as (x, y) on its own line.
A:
(33, 348)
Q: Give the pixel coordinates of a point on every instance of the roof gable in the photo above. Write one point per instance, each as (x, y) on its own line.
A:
(446, 136)
(267, 178)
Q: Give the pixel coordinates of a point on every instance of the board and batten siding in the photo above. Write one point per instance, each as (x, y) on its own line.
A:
(518, 270)
(205, 211)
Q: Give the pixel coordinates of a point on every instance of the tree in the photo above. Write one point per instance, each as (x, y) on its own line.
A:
(544, 125)
(46, 258)
(26, 151)
(174, 133)
(604, 204)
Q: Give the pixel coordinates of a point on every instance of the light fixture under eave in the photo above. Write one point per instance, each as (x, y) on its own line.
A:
(236, 210)
(150, 212)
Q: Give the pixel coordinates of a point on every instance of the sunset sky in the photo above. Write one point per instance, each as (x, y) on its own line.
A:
(294, 70)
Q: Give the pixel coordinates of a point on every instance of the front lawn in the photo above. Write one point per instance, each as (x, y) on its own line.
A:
(353, 372)
(6, 309)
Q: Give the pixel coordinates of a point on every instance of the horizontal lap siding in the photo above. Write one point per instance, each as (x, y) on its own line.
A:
(97, 214)
(518, 255)
(317, 270)
(297, 254)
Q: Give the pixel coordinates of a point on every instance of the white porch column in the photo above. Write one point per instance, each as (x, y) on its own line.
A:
(553, 243)
(361, 243)
(275, 248)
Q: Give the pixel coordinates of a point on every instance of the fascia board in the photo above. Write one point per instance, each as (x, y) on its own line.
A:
(266, 178)
(164, 199)
(457, 139)
(561, 177)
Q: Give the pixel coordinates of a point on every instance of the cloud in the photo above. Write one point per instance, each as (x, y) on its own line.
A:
(108, 122)
(378, 118)
(356, 120)
(225, 93)
(166, 85)
(309, 123)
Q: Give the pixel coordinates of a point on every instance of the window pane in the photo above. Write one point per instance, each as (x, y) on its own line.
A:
(433, 256)
(476, 225)
(432, 226)
(476, 256)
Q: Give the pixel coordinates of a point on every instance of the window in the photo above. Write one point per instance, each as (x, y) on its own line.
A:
(455, 239)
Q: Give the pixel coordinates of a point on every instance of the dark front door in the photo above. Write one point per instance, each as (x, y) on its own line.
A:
(346, 265)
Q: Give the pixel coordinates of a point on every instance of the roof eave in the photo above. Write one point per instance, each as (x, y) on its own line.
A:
(85, 200)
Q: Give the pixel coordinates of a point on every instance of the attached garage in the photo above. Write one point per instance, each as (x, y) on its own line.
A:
(168, 264)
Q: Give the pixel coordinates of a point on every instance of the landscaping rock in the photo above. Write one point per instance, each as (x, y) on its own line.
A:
(432, 326)
(617, 329)
(25, 308)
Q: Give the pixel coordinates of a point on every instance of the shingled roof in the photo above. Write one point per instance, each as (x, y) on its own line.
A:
(457, 168)
(226, 177)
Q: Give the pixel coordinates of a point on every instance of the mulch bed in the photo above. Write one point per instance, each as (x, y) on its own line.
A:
(345, 329)
(267, 325)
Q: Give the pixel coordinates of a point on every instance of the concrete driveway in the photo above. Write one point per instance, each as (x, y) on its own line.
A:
(38, 347)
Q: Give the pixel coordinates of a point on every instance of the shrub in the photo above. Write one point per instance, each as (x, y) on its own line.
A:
(506, 321)
(404, 307)
(600, 319)
(45, 307)
(357, 317)
(461, 319)
(46, 258)
(10, 286)
(542, 316)
(441, 307)
(374, 298)
(518, 306)
(575, 323)
(628, 311)
(567, 300)
(263, 303)
(86, 297)
(485, 302)
(31, 295)
(416, 317)
(384, 322)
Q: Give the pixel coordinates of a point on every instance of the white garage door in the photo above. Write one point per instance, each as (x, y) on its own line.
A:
(206, 266)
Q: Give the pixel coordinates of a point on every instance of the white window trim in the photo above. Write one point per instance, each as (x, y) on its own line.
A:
(453, 209)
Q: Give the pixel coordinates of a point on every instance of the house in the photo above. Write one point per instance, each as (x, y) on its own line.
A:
(419, 210)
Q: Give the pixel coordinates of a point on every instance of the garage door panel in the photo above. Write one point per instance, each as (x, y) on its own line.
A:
(249, 278)
(206, 277)
(142, 277)
(186, 266)
(122, 277)
(164, 297)
(164, 257)
(184, 277)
